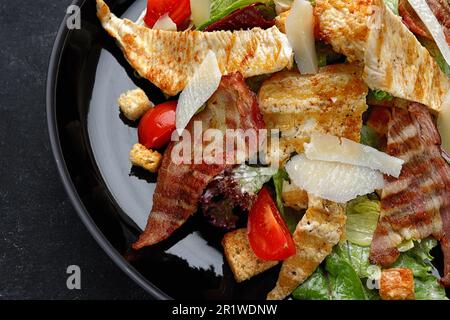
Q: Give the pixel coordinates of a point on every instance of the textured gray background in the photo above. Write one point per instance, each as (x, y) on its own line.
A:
(40, 233)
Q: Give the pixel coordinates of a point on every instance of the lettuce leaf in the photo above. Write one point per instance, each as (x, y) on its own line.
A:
(344, 281)
(339, 278)
(362, 218)
(222, 8)
(315, 288)
(393, 5)
(369, 137)
(291, 218)
(436, 54)
(380, 95)
(426, 285)
(358, 257)
(252, 179)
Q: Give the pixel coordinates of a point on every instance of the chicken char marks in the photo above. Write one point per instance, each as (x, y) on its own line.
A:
(180, 186)
(417, 204)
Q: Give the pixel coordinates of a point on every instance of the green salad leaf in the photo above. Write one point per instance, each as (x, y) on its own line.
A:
(358, 257)
(222, 8)
(362, 218)
(291, 218)
(380, 95)
(315, 288)
(436, 54)
(339, 278)
(369, 137)
(426, 285)
(393, 5)
(252, 179)
(344, 281)
(326, 55)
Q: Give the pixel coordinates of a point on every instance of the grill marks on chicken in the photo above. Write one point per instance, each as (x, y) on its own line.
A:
(394, 60)
(180, 186)
(168, 59)
(413, 204)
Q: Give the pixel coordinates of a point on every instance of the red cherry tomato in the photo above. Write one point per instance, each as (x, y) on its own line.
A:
(268, 234)
(157, 124)
(179, 11)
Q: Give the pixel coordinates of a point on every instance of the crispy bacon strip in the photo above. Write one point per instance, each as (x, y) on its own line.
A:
(416, 205)
(180, 186)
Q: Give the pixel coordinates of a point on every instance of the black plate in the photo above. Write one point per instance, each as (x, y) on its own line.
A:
(91, 144)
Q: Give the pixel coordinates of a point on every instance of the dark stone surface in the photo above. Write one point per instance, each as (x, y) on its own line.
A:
(40, 232)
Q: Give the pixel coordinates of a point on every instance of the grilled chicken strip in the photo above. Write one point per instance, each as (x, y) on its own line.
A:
(394, 60)
(180, 186)
(417, 204)
(331, 101)
(168, 59)
(321, 228)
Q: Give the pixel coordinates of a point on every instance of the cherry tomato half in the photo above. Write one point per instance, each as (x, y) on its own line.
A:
(179, 11)
(157, 124)
(268, 234)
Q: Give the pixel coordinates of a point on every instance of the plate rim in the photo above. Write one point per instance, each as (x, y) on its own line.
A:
(51, 89)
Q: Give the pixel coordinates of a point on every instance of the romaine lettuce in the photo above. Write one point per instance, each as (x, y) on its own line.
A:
(362, 218)
(339, 279)
(393, 5)
(289, 217)
(222, 8)
(369, 137)
(426, 286)
(252, 179)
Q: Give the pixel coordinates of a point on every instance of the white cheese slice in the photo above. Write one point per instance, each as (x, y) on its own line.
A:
(331, 148)
(300, 33)
(165, 23)
(200, 88)
(331, 180)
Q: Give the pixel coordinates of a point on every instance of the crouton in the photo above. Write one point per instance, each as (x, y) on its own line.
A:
(280, 21)
(397, 284)
(134, 104)
(145, 158)
(241, 259)
(294, 197)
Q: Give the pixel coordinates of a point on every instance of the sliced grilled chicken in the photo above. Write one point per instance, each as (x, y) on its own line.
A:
(331, 101)
(394, 60)
(321, 228)
(168, 59)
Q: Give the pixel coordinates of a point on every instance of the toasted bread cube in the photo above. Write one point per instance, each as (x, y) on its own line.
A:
(280, 21)
(397, 284)
(243, 262)
(145, 158)
(294, 197)
(134, 104)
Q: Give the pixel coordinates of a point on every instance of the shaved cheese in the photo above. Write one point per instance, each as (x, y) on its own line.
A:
(444, 123)
(333, 181)
(331, 148)
(200, 88)
(200, 11)
(300, 33)
(165, 23)
(282, 5)
(434, 27)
